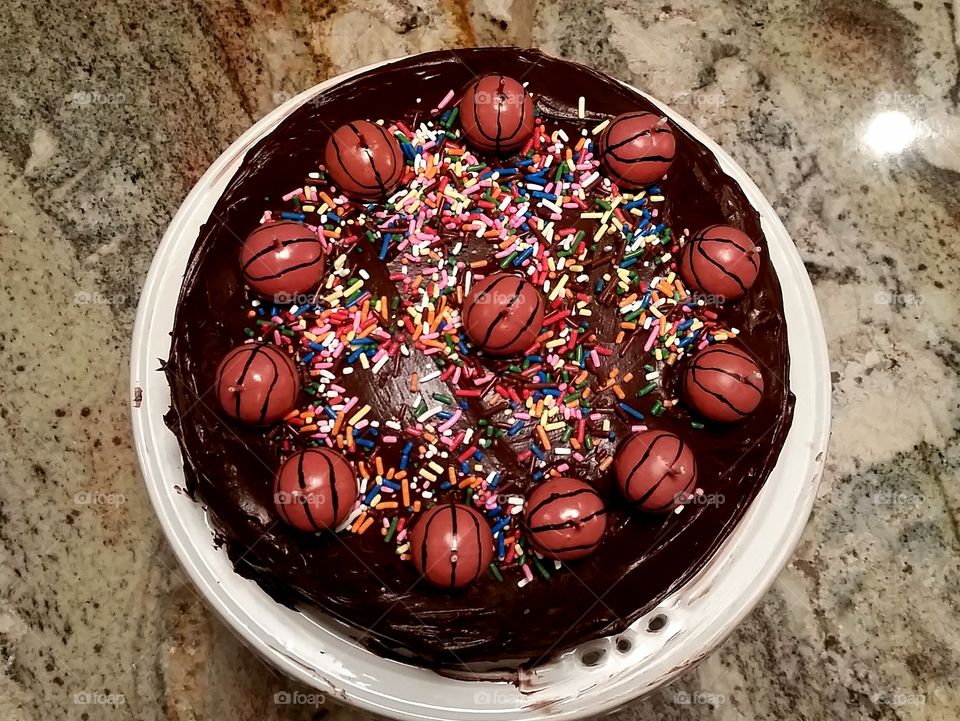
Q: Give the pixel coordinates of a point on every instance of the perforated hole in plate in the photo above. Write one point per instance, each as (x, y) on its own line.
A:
(591, 657)
(624, 644)
(657, 623)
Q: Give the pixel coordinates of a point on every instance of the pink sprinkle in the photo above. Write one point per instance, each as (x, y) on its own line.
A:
(447, 424)
(652, 337)
(443, 103)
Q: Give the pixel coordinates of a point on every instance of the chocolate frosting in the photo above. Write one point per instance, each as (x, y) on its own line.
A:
(359, 578)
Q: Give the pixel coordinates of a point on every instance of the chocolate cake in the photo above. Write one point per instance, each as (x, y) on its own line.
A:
(534, 330)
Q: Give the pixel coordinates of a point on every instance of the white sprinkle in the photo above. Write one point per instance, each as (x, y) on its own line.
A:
(429, 413)
(581, 107)
(601, 127)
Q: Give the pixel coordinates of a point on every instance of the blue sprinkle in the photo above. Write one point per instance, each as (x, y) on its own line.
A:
(515, 428)
(536, 451)
(390, 484)
(356, 299)
(286, 215)
(445, 486)
(364, 442)
(630, 410)
(522, 257)
(500, 525)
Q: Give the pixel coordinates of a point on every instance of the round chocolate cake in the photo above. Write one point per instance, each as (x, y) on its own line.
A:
(480, 355)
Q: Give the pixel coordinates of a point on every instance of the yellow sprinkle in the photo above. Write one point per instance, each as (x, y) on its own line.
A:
(358, 416)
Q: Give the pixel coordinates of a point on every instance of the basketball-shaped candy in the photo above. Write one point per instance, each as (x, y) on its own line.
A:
(364, 160)
(723, 383)
(451, 545)
(655, 470)
(503, 314)
(281, 260)
(315, 489)
(496, 114)
(636, 149)
(720, 260)
(565, 518)
(257, 384)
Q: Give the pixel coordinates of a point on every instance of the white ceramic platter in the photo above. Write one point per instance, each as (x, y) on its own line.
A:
(696, 618)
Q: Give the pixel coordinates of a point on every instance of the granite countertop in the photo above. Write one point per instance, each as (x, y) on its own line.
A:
(845, 114)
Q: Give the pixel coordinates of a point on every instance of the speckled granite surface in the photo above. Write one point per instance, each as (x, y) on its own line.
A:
(845, 113)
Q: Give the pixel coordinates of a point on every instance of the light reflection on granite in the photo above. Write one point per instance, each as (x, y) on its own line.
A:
(112, 112)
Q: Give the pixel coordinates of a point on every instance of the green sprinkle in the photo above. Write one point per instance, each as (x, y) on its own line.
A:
(696, 424)
(649, 388)
(657, 409)
(538, 564)
(451, 118)
(392, 529)
(496, 572)
(443, 398)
